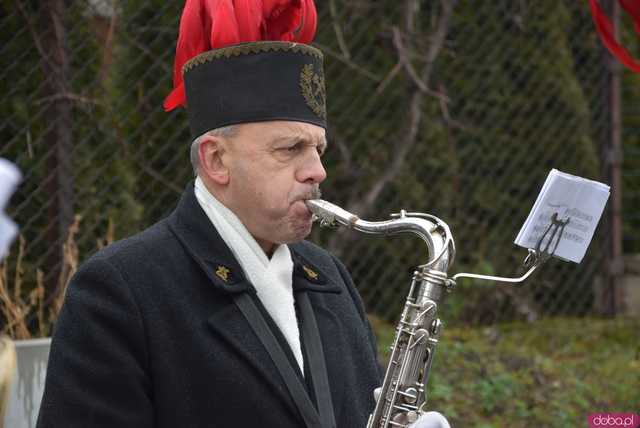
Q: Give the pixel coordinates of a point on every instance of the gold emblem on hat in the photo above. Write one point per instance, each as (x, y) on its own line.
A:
(313, 90)
(223, 273)
(310, 273)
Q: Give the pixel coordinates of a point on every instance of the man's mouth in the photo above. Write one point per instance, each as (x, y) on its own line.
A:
(303, 204)
(307, 210)
(314, 193)
(302, 199)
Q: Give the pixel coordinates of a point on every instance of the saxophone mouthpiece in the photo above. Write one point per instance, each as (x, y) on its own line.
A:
(329, 214)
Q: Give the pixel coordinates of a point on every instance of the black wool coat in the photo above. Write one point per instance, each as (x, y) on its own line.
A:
(149, 336)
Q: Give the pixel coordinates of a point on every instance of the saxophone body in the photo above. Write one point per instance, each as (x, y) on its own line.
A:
(403, 393)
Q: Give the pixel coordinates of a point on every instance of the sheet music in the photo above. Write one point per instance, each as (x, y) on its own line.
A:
(579, 199)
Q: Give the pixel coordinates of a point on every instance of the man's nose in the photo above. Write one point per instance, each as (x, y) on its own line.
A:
(312, 171)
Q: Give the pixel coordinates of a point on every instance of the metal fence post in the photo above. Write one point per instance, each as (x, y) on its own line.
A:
(613, 164)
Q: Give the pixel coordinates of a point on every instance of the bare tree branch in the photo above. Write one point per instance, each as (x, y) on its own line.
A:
(336, 28)
(411, 72)
(34, 34)
(350, 63)
(388, 78)
(438, 38)
(66, 96)
(56, 63)
(415, 115)
(363, 205)
(345, 152)
(107, 50)
(162, 179)
(444, 108)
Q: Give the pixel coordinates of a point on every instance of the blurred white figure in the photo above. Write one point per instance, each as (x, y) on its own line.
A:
(9, 178)
(7, 371)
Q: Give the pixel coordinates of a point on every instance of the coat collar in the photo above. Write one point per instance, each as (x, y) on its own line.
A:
(202, 241)
(308, 276)
(194, 230)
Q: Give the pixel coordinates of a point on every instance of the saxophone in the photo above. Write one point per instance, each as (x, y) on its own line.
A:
(403, 392)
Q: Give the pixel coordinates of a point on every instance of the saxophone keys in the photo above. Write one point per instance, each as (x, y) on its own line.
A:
(418, 337)
(410, 395)
(436, 327)
(404, 418)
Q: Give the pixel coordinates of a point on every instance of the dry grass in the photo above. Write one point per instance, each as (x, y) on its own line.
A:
(18, 311)
(14, 308)
(69, 267)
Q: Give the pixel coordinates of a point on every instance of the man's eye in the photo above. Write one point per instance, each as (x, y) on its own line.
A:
(294, 148)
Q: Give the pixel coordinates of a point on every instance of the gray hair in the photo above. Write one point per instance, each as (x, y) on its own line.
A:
(225, 132)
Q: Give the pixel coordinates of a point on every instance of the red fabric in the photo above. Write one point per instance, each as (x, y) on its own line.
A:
(632, 7)
(605, 29)
(211, 24)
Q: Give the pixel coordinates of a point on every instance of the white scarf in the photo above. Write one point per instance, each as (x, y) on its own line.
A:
(272, 279)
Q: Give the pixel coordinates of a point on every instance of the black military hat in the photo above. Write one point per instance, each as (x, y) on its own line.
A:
(266, 72)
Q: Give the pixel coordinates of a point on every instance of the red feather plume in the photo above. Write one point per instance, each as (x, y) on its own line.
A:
(212, 24)
(605, 29)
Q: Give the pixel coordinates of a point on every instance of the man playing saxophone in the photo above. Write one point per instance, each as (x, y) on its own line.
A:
(222, 315)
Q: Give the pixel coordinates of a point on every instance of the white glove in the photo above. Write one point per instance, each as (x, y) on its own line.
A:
(426, 420)
(9, 178)
(431, 420)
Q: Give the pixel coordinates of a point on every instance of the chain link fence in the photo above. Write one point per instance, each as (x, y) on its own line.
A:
(458, 109)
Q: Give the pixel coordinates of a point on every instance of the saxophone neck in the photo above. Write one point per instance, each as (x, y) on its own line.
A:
(434, 232)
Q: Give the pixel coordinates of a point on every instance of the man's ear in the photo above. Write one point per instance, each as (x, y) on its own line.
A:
(211, 152)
